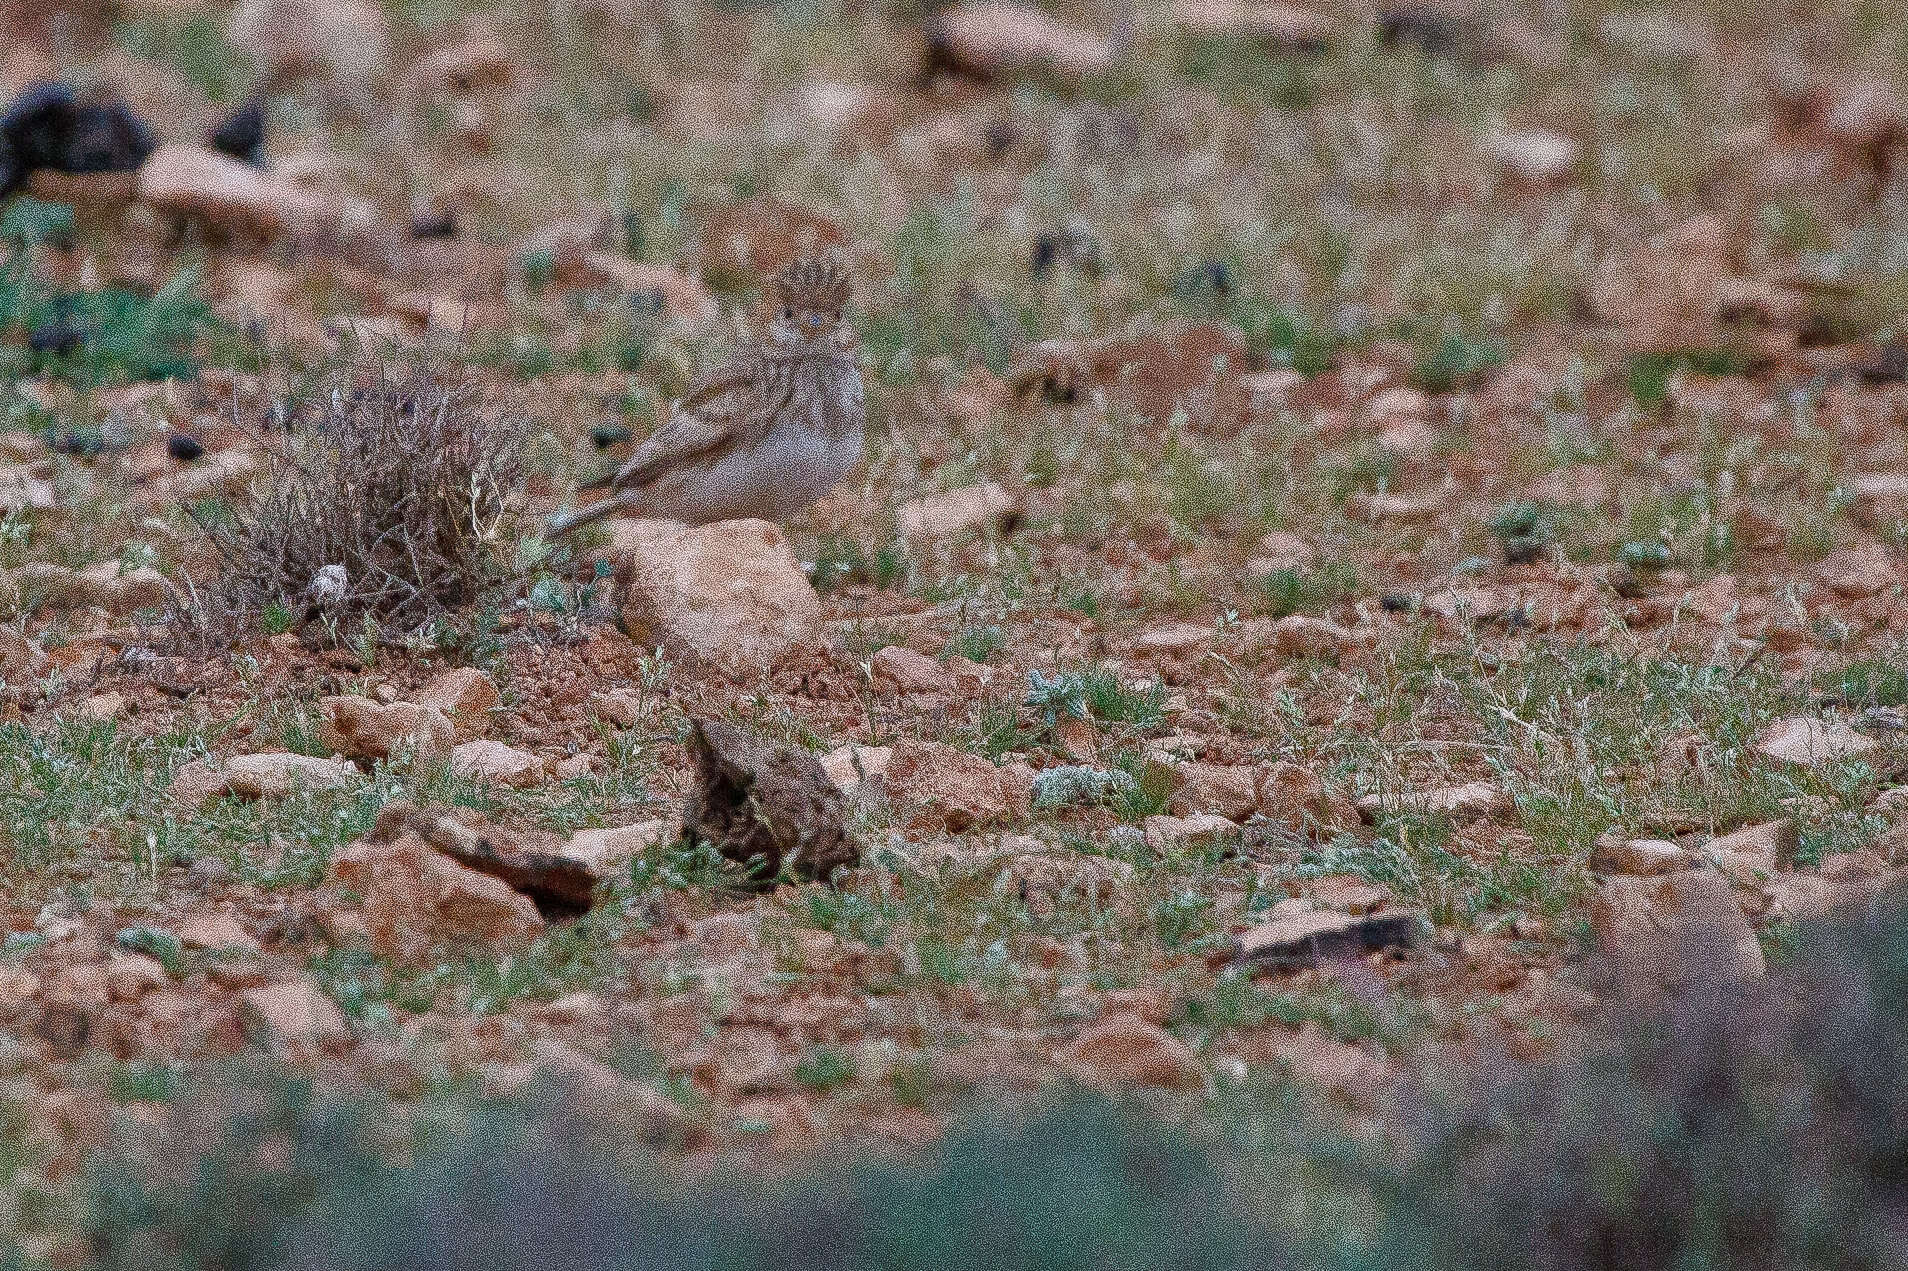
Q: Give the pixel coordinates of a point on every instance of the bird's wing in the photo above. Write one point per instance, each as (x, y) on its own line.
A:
(728, 406)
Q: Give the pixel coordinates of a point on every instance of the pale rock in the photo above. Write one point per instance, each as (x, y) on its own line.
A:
(1535, 156)
(572, 767)
(1282, 550)
(1395, 404)
(103, 584)
(993, 37)
(940, 516)
(1856, 573)
(684, 299)
(22, 492)
(1678, 928)
(364, 729)
(908, 672)
(1879, 498)
(345, 40)
(729, 597)
(1869, 112)
(222, 472)
(1764, 848)
(1125, 1050)
(217, 929)
(493, 762)
(465, 695)
(1472, 800)
(1222, 790)
(102, 707)
(607, 853)
(270, 775)
(1296, 932)
(1617, 855)
(419, 902)
(1174, 641)
(227, 195)
(273, 775)
(619, 707)
(1809, 741)
(294, 1014)
(1269, 390)
(130, 976)
(852, 767)
(1169, 833)
(1847, 880)
(935, 786)
(1348, 893)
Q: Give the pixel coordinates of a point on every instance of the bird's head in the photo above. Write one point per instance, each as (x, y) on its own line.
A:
(808, 300)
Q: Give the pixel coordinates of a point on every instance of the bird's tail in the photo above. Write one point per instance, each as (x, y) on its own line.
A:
(563, 522)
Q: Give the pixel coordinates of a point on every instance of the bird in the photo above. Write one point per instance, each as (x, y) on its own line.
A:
(767, 434)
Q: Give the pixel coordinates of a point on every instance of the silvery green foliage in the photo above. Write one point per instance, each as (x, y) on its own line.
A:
(1075, 784)
(1058, 696)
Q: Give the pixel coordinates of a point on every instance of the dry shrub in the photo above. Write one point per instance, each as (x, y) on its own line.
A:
(405, 487)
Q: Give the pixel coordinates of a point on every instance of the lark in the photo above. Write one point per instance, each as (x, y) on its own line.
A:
(766, 435)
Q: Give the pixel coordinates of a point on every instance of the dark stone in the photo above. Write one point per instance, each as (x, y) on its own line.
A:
(1208, 279)
(64, 1026)
(1046, 248)
(1303, 941)
(607, 435)
(429, 224)
(1075, 245)
(47, 126)
(559, 886)
(1522, 549)
(35, 122)
(1002, 136)
(243, 134)
(1439, 34)
(83, 443)
(184, 447)
(1397, 602)
(1889, 367)
(57, 338)
(766, 806)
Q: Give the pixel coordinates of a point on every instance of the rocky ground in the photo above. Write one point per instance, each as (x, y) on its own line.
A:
(1382, 533)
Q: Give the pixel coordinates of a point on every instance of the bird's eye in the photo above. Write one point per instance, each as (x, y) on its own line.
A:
(788, 315)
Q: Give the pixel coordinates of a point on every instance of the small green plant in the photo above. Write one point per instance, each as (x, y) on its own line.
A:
(1455, 361)
(824, 1069)
(1095, 695)
(1526, 529)
(1878, 681)
(1182, 920)
(840, 560)
(1650, 374)
(1074, 785)
(1290, 591)
(977, 644)
(158, 944)
(194, 44)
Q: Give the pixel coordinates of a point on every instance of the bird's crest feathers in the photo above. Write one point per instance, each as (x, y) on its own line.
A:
(817, 282)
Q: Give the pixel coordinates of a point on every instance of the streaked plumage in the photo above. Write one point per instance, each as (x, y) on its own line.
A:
(764, 436)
